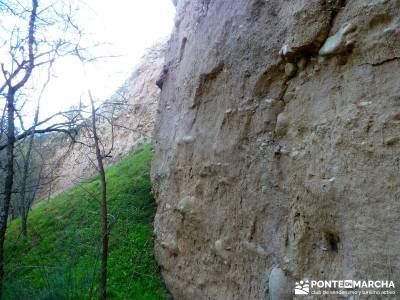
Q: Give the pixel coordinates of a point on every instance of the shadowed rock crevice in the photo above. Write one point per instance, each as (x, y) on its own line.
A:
(204, 81)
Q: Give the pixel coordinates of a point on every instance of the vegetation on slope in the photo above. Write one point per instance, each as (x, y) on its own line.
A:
(60, 258)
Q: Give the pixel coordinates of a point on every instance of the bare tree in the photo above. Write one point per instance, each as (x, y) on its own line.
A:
(93, 122)
(28, 51)
(103, 201)
(12, 88)
(30, 169)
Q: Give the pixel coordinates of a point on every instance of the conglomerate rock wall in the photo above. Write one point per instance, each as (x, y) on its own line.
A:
(277, 146)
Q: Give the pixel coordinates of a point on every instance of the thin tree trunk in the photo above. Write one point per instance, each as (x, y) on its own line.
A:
(103, 205)
(24, 225)
(25, 203)
(10, 102)
(24, 206)
(104, 221)
(9, 180)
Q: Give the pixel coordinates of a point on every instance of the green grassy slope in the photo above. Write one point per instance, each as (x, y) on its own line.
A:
(60, 259)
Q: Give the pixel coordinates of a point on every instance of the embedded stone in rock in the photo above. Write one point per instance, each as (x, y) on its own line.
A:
(287, 53)
(170, 245)
(338, 43)
(269, 103)
(279, 285)
(282, 124)
(254, 248)
(301, 64)
(186, 205)
(187, 139)
(392, 141)
(221, 250)
(218, 245)
(290, 69)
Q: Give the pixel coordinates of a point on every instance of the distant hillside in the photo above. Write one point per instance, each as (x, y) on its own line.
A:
(134, 126)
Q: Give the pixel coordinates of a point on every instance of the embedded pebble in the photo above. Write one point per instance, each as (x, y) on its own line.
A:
(364, 103)
(188, 139)
(290, 69)
(301, 64)
(255, 248)
(389, 30)
(282, 124)
(317, 68)
(268, 103)
(218, 246)
(279, 286)
(392, 141)
(264, 189)
(286, 52)
(170, 245)
(221, 250)
(185, 205)
(322, 60)
(338, 43)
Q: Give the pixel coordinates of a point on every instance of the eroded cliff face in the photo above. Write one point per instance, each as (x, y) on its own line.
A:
(134, 123)
(276, 152)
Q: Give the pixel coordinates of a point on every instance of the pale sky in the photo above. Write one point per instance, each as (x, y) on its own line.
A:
(128, 27)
